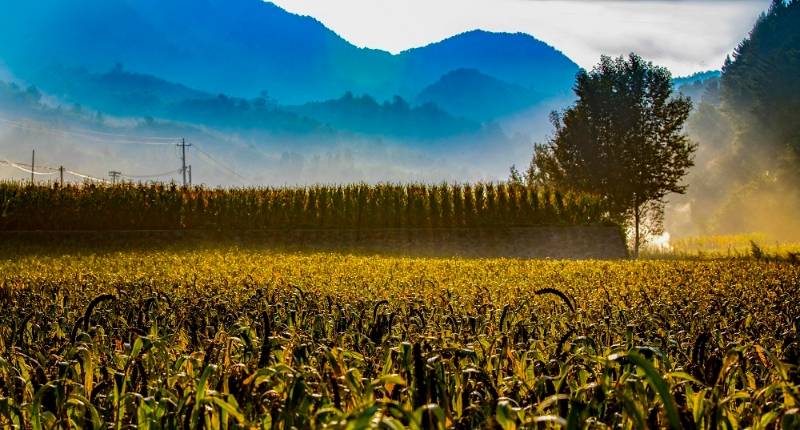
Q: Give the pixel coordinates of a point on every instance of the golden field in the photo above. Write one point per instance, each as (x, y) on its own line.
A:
(220, 336)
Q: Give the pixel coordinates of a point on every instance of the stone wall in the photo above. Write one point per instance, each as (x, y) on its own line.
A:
(531, 242)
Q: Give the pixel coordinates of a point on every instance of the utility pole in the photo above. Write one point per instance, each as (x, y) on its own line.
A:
(190, 175)
(61, 170)
(183, 146)
(33, 159)
(114, 175)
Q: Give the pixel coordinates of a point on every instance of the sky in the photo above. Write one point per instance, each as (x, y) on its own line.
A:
(686, 36)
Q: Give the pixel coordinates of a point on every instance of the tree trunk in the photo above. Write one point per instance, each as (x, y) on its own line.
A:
(636, 231)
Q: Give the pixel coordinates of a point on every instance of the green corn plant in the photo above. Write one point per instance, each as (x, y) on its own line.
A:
(168, 207)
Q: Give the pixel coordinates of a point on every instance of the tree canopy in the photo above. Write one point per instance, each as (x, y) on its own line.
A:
(623, 139)
(748, 165)
(760, 83)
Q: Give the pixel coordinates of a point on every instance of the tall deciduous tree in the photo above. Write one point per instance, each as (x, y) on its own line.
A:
(623, 139)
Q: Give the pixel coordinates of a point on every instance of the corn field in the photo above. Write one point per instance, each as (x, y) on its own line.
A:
(219, 336)
(170, 207)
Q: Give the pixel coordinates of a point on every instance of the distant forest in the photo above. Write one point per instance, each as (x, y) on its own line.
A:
(748, 162)
(123, 93)
(131, 94)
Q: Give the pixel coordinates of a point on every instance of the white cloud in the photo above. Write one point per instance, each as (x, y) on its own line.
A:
(684, 36)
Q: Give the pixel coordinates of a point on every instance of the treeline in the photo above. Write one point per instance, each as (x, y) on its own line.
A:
(13, 97)
(170, 207)
(123, 93)
(747, 172)
(396, 118)
(760, 86)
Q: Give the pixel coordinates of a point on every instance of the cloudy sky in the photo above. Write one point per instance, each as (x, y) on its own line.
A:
(685, 36)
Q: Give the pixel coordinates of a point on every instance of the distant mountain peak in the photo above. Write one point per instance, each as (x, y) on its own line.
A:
(469, 76)
(475, 95)
(241, 47)
(517, 58)
(485, 37)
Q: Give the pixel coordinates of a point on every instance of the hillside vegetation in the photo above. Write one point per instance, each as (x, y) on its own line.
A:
(748, 163)
(242, 47)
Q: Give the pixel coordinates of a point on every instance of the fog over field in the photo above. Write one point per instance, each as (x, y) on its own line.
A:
(249, 157)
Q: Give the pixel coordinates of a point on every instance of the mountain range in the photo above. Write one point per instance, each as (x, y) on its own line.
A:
(472, 94)
(249, 64)
(278, 96)
(243, 47)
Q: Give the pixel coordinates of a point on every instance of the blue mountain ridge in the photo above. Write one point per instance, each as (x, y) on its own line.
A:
(242, 47)
(471, 94)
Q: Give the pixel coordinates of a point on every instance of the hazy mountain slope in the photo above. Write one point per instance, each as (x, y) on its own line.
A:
(516, 58)
(244, 46)
(115, 92)
(241, 47)
(84, 142)
(89, 33)
(397, 118)
(121, 93)
(472, 94)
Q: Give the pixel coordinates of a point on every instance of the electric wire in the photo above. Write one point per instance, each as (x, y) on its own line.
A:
(26, 168)
(219, 171)
(16, 166)
(19, 166)
(91, 178)
(44, 129)
(151, 176)
(223, 166)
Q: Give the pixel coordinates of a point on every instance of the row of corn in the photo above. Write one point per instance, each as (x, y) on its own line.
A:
(167, 207)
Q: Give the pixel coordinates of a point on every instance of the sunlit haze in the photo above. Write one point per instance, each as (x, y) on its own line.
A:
(684, 36)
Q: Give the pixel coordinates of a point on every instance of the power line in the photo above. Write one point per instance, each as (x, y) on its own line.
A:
(28, 169)
(114, 175)
(152, 176)
(19, 166)
(223, 166)
(7, 161)
(25, 124)
(91, 178)
(218, 171)
(183, 146)
(80, 175)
